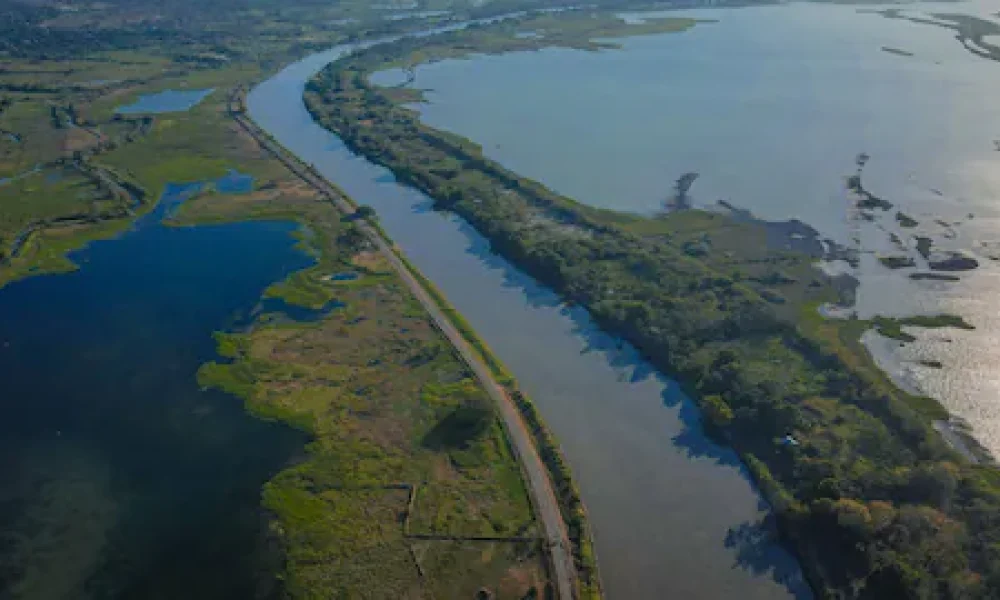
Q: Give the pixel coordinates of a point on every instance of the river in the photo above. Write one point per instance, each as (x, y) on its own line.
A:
(674, 516)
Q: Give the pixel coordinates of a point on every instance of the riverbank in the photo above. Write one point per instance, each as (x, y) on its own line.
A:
(519, 416)
(410, 485)
(828, 396)
(363, 405)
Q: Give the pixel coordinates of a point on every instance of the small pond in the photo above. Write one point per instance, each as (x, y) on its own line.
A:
(234, 182)
(165, 101)
(344, 276)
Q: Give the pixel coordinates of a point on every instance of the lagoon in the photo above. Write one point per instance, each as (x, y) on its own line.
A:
(121, 477)
(771, 107)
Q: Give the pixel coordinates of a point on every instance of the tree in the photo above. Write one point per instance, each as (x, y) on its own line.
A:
(365, 212)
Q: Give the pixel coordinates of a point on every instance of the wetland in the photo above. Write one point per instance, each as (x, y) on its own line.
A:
(771, 108)
(605, 261)
(145, 456)
(352, 451)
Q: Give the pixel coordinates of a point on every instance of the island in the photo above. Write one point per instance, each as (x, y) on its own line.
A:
(896, 51)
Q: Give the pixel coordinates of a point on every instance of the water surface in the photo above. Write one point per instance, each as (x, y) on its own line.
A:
(120, 477)
(771, 107)
(674, 516)
(234, 182)
(166, 101)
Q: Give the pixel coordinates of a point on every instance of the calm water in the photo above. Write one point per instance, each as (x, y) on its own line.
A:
(234, 182)
(166, 101)
(771, 106)
(674, 516)
(120, 478)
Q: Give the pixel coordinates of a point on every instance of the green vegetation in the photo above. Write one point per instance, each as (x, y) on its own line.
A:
(906, 220)
(44, 250)
(871, 498)
(408, 461)
(305, 288)
(570, 501)
(896, 262)
(893, 328)
(896, 51)
(65, 71)
(197, 145)
(972, 32)
(583, 31)
(44, 195)
(924, 246)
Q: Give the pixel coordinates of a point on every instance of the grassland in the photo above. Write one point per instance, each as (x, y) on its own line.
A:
(408, 461)
(591, 31)
(60, 141)
(59, 91)
(408, 489)
(197, 145)
(42, 195)
(871, 499)
(893, 327)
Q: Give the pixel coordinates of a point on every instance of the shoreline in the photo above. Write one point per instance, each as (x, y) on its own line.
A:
(927, 280)
(571, 216)
(930, 264)
(453, 325)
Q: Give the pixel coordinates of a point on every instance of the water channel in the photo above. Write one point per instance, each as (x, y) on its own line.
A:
(674, 516)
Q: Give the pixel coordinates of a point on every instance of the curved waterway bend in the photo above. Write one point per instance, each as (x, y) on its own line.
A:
(674, 516)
